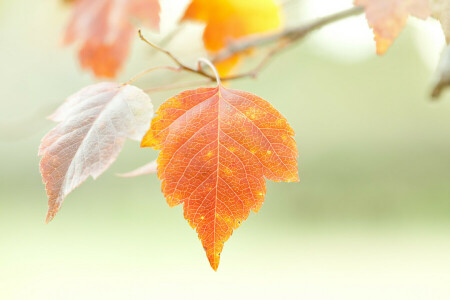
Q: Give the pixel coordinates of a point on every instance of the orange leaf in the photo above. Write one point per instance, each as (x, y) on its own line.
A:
(93, 125)
(104, 31)
(231, 19)
(217, 146)
(388, 17)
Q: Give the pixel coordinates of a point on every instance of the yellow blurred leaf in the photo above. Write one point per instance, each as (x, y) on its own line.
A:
(227, 20)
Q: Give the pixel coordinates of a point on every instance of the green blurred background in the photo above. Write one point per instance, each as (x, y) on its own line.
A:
(370, 218)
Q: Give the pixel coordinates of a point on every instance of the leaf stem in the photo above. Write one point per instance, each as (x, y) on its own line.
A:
(284, 38)
(213, 68)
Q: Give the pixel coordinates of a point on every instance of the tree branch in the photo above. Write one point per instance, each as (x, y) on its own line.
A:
(184, 67)
(290, 34)
(175, 59)
(284, 38)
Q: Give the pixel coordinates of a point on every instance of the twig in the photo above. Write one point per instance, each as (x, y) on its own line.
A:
(291, 34)
(285, 39)
(174, 59)
(253, 73)
(184, 67)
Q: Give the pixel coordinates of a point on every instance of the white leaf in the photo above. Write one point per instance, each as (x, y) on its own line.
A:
(94, 124)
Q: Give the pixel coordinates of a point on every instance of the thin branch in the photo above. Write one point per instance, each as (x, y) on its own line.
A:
(284, 38)
(170, 55)
(253, 73)
(291, 34)
(184, 67)
(174, 59)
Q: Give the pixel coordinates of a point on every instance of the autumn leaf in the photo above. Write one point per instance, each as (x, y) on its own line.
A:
(388, 17)
(104, 31)
(217, 146)
(93, 125)
(231, 19)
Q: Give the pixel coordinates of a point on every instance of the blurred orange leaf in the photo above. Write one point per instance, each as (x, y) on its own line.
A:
(231, 19)
(104, 31)
(388, 17)
(93, 125)
(217, 146)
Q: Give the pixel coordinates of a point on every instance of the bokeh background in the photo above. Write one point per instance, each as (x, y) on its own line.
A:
(370, 218)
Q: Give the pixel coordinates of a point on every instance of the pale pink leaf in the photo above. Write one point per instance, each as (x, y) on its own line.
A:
(93, 125)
